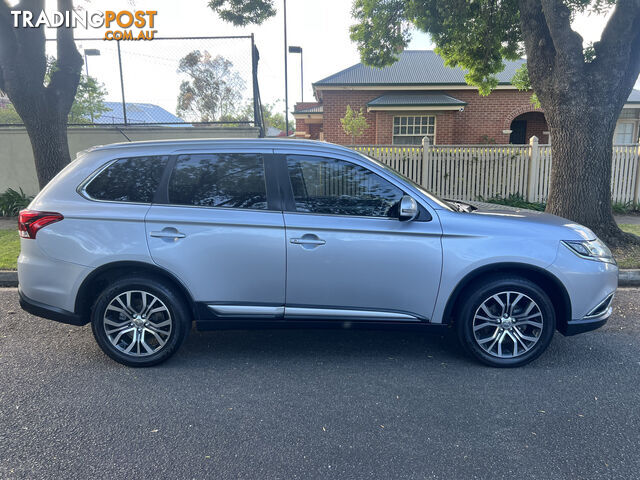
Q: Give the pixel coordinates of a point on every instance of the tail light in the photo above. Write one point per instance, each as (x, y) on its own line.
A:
(30, 221)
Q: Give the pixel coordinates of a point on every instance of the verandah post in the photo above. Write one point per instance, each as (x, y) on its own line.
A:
(534, 170)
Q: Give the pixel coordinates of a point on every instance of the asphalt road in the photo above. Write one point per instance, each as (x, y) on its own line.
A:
(317, 404)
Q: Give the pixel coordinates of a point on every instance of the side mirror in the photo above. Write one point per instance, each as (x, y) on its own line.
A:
(408, 209)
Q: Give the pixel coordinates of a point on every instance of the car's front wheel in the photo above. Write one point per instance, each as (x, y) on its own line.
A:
(506, 322)
(139, 321)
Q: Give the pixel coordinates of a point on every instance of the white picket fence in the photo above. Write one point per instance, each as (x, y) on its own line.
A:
(472, 172)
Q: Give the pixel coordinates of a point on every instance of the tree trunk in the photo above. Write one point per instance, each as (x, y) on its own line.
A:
(50, 146)
(580, 186)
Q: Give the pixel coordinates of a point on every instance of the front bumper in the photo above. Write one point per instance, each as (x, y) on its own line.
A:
(51, 313)
(573, 327)
(596, 318)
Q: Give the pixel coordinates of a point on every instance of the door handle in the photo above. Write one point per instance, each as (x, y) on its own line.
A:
(168, 232)
(308, 239)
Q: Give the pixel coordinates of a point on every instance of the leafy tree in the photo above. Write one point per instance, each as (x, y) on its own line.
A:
(243, 12)
(213, 90)
(87, 107)
(354, 123)
(89, 102)
(581, 88)
(42, 105)
(9, 115)
(272, 116)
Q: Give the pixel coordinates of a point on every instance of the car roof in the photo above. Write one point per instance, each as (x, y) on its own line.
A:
(204, 143)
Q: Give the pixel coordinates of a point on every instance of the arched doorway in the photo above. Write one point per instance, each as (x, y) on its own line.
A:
(526, 125)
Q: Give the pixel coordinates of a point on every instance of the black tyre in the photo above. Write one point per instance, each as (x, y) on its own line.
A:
(140, 321)
(505, 322)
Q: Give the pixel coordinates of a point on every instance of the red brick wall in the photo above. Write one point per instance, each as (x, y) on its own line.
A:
(536, 125)
(482, 116)
(308, 130)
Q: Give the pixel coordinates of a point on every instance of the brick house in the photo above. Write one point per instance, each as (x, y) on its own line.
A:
(419, 96)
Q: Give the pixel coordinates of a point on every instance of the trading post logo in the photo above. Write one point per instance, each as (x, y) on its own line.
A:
(122, 25)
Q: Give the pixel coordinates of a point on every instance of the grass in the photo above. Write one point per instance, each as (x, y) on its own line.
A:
(628, 257)
(9, 249)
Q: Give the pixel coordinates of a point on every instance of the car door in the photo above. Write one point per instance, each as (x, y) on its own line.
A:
(348, 254)
(218, 226)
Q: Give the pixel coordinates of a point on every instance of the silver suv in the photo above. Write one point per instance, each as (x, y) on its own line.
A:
(142, 239)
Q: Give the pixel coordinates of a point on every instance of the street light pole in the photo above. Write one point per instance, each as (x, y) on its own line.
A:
(299, 50)
(89, 52)
(286, 86)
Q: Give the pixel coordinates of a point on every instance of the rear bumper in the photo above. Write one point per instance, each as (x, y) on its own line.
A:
(51, 313)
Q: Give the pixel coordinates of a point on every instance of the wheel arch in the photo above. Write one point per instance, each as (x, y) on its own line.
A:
(100, 277)
(552, 286)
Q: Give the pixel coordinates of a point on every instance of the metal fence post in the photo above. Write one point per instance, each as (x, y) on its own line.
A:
(124, 104)
(534, 170)
(426, 163)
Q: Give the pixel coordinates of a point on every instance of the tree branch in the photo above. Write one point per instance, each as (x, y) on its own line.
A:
(66, 76)
(567, 43)
(31, 58)
(8, 45)
(539, 46)
(618, 50)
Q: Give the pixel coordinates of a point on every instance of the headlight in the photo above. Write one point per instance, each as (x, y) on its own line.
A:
(591, 250)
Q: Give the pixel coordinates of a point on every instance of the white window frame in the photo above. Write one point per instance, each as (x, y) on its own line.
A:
(432, 136)
(634, 131)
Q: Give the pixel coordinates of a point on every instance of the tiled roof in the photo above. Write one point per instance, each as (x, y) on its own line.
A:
(314, 109)
(137, 113)
(415, 99)
(414, 67)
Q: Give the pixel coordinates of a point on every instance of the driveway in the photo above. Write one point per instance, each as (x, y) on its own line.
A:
(337, 404)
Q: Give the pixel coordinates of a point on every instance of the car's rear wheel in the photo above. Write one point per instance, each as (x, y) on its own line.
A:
(506, 322)
(140, 321)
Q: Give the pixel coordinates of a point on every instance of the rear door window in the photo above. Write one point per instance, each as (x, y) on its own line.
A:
(222, 180)
(134, 180)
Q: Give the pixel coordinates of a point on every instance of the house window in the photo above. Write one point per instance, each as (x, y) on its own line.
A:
(624, 133)
(629, 113)
(411, 130)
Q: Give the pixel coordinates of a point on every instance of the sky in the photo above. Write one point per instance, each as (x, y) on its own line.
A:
(320, 27)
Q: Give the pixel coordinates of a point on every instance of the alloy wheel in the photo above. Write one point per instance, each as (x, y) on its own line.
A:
(137, 323)
(507, 324)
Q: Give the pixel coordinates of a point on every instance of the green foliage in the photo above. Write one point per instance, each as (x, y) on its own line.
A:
(487, 140)
(88, 105)
(515, 200)
(521, 81)
(626, 208)
(475, 35)
(272, 116)
(382, 30)
(11, 202)
(9, 115)
(213, 90)
(354, 123)
(243, 12)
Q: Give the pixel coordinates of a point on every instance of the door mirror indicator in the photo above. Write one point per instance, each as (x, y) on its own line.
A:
(408, 208)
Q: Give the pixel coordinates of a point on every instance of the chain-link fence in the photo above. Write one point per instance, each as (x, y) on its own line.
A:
(166, 81)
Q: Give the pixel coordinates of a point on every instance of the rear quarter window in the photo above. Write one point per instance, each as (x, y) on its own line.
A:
(134, 179)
